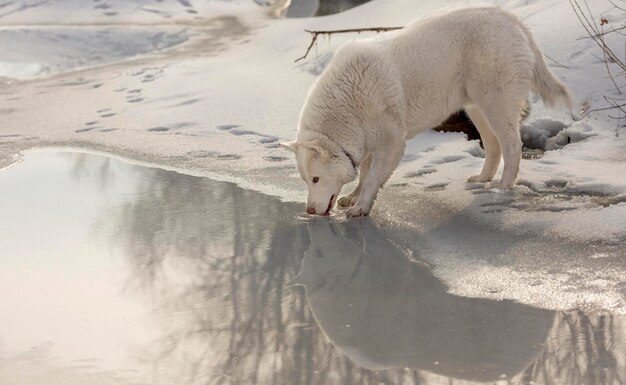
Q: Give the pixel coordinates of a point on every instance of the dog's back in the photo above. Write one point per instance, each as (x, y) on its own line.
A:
(448, 59)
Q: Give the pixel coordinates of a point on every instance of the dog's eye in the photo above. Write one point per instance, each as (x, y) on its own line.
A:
(316, 179)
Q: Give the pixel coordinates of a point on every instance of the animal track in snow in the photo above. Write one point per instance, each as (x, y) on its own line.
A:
(228, 157)
(423, 171)
(555, 195)
(71, 82)
(436, 186)
(449, 159)
(102, 6)
(268, 140)
(170, 127)
(213, 155)
(84, 129)
(186, 103)
(227, 127)
(275, 158)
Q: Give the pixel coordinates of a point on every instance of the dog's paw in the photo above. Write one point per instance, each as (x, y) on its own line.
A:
(478, 178)
(357, 211)
(500, 185)
(347, 201)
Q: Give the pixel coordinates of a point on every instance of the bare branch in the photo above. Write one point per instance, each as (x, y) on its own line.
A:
(604, 33)
(594, 32)
(555, 62)
(617, 6)
(315, 34)
(313, 40)
(608, 70)
(613, 106)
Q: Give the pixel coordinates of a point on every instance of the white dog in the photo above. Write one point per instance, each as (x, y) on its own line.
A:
(378, 92)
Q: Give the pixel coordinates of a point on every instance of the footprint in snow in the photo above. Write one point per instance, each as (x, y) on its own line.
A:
(449, 159)
(213, 155)
(423, 171)
(275, 158)
(436, 186)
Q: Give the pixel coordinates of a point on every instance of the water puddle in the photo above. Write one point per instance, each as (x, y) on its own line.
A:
(114, 273)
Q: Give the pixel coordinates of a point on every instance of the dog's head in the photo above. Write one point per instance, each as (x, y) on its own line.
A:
(325, 168)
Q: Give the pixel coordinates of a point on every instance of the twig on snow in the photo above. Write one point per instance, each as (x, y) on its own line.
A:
(315, 34)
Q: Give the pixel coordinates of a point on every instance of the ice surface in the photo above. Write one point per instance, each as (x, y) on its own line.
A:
(217, 103)
(55, 50)
(106, 12)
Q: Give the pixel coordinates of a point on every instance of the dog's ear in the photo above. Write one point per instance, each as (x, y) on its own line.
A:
(317, 147)
(291, 146)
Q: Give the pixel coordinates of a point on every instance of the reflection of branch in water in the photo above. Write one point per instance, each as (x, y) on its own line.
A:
(237, 263)
(215, 261)
(581, 350)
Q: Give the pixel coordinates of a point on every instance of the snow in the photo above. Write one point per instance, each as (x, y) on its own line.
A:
(209, 87)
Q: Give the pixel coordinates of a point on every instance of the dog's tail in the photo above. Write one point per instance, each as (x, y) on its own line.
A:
(545, 84)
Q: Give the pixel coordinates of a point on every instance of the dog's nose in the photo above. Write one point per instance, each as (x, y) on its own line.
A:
(310, 210)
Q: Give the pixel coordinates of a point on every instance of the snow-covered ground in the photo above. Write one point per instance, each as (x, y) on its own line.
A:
(209, 87)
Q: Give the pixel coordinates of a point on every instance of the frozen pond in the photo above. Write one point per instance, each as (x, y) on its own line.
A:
(37, 52)
(115, 273)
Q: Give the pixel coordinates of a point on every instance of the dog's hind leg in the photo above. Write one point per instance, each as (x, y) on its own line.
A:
(490, 142)
(350, 199)
(503, 115)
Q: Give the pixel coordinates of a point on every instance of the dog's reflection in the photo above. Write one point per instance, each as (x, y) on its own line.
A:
(383, 310)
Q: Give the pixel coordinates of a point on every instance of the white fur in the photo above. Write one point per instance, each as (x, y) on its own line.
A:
(378, 92)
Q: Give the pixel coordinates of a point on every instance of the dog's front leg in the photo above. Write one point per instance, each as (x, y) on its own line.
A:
(384, 161)
(350, 199)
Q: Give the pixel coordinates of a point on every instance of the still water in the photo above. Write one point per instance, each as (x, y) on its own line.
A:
(114, 273)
